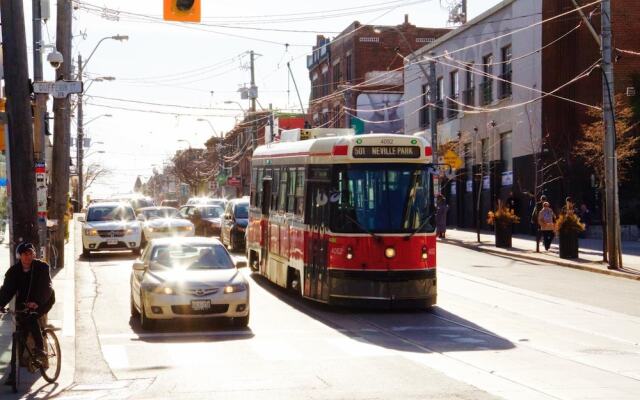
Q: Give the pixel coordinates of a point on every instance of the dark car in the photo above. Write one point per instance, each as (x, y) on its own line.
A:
(206, 218)
(234, 224)
(170, 203)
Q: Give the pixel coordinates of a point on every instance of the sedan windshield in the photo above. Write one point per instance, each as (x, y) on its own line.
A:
(110, 213)
(211, 212)
(190, 256)
(391, 198)
(156, 213)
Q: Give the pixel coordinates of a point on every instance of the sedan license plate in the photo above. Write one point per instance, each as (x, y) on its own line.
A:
(200, 305)
(112, 242)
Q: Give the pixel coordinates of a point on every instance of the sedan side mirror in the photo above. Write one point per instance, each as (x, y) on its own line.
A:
(240, 263)
(138, 266)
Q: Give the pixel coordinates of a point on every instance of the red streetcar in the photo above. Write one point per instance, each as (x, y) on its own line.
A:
(345, 219)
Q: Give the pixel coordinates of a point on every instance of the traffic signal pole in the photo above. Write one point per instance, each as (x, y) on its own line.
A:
(18, 112)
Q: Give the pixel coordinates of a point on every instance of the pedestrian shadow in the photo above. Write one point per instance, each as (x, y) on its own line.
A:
(434, 330)
(31, 386)
(190, 331)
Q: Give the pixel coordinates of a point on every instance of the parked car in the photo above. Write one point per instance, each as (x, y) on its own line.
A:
(160, 222)
(207, 201)
(110, 226)
(234, 224)
(206, 218)
(170, 203)
(185, 278)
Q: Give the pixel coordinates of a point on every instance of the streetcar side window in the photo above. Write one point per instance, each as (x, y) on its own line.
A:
(274, 189)
(291, 193)
(299, 206)
(257, 192)
(282, 193)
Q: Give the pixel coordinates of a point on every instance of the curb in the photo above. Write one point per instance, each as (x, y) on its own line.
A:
(527, 257)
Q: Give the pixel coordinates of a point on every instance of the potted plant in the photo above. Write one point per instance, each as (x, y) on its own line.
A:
(568, 227)
(502, 220)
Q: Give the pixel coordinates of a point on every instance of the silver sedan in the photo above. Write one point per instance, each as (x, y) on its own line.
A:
(189, 277)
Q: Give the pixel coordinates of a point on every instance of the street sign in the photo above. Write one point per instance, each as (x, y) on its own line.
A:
(58, 89)
(451, 159)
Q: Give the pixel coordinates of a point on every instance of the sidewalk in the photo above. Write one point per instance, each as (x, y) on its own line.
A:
(590, 255)
(62, 316)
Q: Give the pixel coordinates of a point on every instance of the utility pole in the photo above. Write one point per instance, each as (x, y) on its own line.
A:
(39, 117)
(253, 94)
(18, 110)
(80, 140)
(433, 116)
(611, 161)
(62, 124)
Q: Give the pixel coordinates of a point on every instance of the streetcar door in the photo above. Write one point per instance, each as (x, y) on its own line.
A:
(318, 243)
(266, 183)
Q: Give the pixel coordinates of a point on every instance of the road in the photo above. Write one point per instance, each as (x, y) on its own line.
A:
(502, 329)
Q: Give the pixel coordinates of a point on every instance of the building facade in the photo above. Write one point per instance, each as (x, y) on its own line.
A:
(361, 71)
(512, 91)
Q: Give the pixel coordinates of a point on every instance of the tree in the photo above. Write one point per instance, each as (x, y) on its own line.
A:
(590, 149)
(93, 173)
(195, 167)
(138, 185)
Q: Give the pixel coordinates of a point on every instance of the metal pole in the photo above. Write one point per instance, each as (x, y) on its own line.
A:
(80, 140)
(611, 162)
(40, 112)
(433, 117)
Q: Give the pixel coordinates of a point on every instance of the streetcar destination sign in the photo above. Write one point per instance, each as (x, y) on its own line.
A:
(386, 152)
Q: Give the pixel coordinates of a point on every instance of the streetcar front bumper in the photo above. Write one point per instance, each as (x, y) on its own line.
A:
(383, 289)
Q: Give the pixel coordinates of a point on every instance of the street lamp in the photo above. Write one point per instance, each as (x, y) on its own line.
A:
(185, 141)
(99, 79)
(210, 125)
(80, 133)
(238, 104)
(99, 116)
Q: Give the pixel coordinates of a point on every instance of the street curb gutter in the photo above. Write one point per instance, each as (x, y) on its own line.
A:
(527, 257)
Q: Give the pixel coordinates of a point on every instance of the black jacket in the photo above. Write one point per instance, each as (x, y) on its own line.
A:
(40, 290)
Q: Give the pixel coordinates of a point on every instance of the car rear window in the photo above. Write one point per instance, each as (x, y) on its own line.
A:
(190, 256)
(242, 210)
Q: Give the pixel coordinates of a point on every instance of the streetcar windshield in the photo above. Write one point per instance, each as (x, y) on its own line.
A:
(389, 198)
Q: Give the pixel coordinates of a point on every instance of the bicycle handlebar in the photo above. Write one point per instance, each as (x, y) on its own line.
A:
(25, 311)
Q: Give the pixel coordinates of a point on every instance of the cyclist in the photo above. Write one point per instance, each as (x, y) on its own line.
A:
(29, 280)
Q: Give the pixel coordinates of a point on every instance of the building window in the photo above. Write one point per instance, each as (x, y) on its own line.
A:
(349, 73)
(470, 81)
(325, 82)
(337, 75)
(454, 94)
(439, 99)
(505, 151)
(487, 80)
(468, 164)
(506, 75)
(424, 109)
(336, 116)
(314, 87)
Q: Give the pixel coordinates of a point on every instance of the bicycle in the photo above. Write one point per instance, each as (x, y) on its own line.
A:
(51, 253)
(23, 355)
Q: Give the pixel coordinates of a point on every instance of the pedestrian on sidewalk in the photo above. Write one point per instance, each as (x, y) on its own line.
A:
(546, 219)
(441, 216)
(534, 221)
(585, 218)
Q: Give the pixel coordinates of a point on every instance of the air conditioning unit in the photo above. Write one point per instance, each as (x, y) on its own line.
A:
(631, 91)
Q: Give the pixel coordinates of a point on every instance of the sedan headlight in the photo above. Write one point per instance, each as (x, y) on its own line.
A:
(91, 232)
(238, 287)
(163, 290)
(187, 228)
(132, 230)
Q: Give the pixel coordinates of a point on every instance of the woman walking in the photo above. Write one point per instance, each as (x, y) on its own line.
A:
(441, 216)
(545, 221)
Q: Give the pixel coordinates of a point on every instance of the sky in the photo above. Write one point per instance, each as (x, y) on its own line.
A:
(199, 67)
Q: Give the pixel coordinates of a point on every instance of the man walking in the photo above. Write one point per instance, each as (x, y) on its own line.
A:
(534, 221)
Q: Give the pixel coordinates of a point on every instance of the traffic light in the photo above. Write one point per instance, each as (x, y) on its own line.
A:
(182, 10)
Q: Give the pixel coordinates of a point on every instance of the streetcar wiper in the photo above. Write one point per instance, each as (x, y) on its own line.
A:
(426, 221)
(376, 237)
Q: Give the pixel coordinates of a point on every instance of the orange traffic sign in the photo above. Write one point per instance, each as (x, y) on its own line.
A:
(182, 10)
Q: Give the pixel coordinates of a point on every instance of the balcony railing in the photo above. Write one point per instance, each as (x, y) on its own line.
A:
(486, 92)
(439, 110)
(505, 85)
(452, 108)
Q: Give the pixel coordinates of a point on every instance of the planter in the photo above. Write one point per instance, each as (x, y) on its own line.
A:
(568, 244)
(503, 233)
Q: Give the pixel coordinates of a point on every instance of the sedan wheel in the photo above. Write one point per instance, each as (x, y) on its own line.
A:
(146, 323)
(134, 311)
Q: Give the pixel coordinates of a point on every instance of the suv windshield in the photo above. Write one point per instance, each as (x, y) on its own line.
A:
(190, 256)
(211, 212)
(391, 198)
(155, 213)
(242, 210)
(110, 213)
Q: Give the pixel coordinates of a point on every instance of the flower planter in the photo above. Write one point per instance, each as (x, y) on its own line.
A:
(503, 234)
(568, 244)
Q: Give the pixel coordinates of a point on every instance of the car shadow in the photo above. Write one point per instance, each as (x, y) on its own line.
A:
(431, 330)
(190, 331)
(108, 256)
(30, 387)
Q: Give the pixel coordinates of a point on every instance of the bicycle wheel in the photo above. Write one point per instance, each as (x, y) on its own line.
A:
(52, 256)
(15, 363)
(51, 370)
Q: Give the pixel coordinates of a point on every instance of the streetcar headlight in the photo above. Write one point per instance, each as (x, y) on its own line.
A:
(424, 252)
(390, 252)
(349, 253)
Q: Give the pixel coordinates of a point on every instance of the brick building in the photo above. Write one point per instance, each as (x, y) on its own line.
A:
(360, 71)
(508, 108)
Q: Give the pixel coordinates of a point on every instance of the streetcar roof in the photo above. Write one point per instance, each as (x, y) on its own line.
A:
(340, 148)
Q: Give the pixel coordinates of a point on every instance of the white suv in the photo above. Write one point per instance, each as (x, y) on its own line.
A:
(110, 226)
